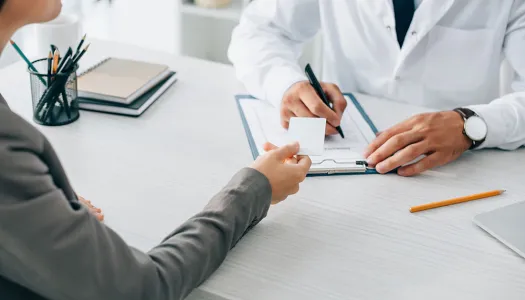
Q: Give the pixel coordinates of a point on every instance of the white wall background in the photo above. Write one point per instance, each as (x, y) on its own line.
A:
(164, 26)
(145, 23)
(173, 26)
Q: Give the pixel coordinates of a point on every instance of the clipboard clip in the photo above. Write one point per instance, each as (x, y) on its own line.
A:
(356, 162)
(331, 167)
(362, 163)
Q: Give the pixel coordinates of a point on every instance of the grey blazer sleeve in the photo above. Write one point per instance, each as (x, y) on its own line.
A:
(57, 249)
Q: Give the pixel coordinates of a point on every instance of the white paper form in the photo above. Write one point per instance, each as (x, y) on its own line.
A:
(265, 126)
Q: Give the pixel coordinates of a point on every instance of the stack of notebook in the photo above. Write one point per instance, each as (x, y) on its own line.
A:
(123, 86)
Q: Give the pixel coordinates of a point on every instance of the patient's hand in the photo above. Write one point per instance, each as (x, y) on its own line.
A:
(94, 210)
(283, 168)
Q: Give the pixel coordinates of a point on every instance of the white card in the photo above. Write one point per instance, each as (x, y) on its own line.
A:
(309, 132)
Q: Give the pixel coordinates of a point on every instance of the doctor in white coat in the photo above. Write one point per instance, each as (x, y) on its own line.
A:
(444, 54)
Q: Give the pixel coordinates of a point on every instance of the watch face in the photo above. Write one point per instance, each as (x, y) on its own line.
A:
(476, 128)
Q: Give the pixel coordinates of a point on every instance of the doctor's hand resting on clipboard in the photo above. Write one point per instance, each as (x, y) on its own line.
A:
(440, 54)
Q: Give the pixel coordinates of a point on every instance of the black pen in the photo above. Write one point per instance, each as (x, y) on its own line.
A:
(64, 59)
(51, 96)
(49, 93)
(66, 103)
(317, 87)
(49, 63)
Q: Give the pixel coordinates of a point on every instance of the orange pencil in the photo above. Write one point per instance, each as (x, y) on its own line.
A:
(55, 61)
(455, 200)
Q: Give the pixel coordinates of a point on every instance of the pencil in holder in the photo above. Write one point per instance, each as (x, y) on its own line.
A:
(54, 96)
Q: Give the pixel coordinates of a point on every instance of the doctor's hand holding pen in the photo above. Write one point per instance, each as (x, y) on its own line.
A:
(314, 99)
(301, 100)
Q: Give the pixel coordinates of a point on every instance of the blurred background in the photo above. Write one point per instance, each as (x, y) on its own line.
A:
(197, 28)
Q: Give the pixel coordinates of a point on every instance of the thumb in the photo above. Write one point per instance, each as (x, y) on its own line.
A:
(286, 151)
(269, 147)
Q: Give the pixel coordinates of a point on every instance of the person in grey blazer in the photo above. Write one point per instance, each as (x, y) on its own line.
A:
(53, 248)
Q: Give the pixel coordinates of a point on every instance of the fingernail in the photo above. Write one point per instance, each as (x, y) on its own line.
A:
(370, 161)
(379, 167)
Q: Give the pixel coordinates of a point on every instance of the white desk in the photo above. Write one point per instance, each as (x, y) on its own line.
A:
(344, 237)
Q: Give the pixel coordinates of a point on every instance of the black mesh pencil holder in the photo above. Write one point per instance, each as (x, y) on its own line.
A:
(54, 97)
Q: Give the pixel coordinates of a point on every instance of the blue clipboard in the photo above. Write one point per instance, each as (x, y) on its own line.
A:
(255, 152)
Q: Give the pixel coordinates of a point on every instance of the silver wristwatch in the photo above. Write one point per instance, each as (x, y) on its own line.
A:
(475, 127)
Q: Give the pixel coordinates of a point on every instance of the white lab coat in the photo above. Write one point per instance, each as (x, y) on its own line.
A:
(451, 55)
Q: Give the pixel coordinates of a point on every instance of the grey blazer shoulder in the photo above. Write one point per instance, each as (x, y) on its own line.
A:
(53, 248)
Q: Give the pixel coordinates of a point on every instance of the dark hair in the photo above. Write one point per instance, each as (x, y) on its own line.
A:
(2, 2)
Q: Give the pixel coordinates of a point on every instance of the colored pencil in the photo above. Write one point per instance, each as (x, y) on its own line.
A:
(456, 200)
(56, 58)
(24, 57)
(80, 45)
(81, 54)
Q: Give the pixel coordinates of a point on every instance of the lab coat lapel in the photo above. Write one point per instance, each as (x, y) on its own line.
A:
(425, 18)
(380, 15)
(428, 15)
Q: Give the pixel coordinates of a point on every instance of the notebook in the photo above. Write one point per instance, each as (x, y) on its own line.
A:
(262, 124)
(136, 108)
(120, 80)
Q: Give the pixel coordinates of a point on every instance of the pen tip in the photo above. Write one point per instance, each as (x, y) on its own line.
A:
(85, 49)
(340, 132)
(84, 37)
(11, 41)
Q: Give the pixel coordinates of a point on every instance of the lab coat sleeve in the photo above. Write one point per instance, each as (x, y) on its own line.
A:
(505, 116)
(266, 45)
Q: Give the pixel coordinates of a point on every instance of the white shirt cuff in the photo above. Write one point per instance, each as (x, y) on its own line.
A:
(278, 80)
